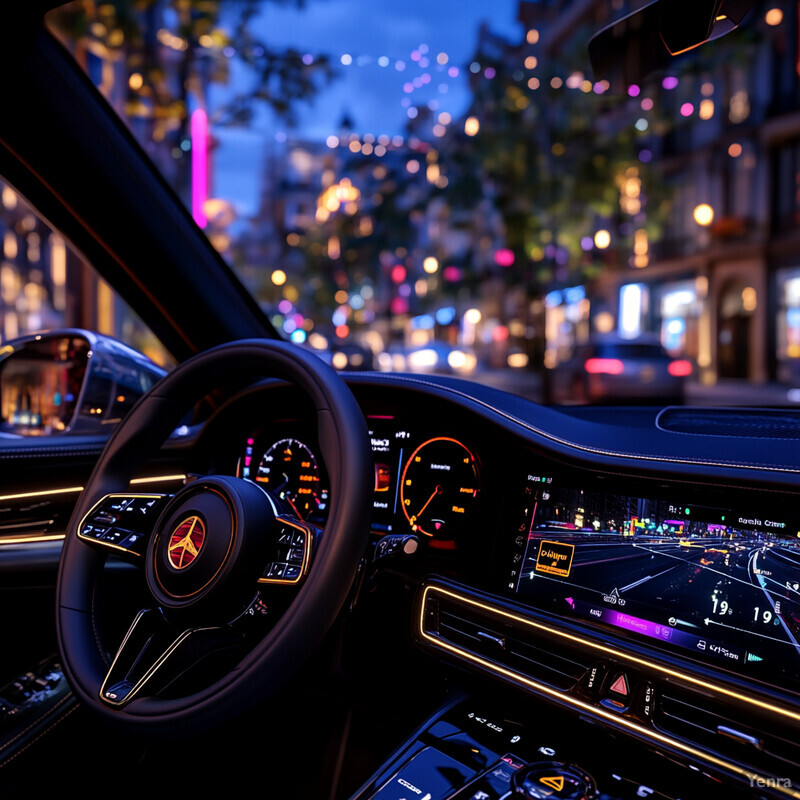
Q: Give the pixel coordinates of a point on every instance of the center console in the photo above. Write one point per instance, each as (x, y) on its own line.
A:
(477, 750)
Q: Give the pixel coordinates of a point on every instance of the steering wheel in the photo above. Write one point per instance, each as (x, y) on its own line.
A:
(211, 554)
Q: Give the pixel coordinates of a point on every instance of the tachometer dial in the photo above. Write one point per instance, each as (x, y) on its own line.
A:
(289, 470)
(439, 486)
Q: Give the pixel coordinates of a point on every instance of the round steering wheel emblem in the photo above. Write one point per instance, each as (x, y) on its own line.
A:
(186, 542)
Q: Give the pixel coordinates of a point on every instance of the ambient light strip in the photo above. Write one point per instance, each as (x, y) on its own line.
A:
(42, 493)
(158, 479)
(33, 538)
(78, 489)
(561, 697)
(643, 662)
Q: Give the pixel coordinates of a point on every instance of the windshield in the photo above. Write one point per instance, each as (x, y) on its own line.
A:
(447, 187)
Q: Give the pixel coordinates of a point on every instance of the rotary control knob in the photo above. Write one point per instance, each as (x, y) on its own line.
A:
(553, 780)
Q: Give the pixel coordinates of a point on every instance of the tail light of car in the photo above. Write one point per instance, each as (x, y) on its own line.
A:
(605, 366)
(680, 368)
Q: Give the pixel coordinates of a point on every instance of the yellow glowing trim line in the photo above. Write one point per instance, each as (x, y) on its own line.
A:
(33, 538)
(158, 479)
(78, 489)
(43, 493)
(603, 648)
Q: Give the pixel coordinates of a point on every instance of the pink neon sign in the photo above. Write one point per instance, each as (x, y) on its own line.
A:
(199, 130)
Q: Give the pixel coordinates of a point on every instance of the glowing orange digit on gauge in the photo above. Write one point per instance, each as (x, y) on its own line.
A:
(438, 487)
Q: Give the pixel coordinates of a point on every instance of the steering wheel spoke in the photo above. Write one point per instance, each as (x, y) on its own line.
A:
(122, 523)
(154, 655)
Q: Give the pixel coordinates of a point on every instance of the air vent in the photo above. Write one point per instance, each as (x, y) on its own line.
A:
(513, 646)
(696, 719)
(761, 424)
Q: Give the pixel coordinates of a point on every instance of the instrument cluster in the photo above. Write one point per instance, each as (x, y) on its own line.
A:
(424, 484)
(290, 469)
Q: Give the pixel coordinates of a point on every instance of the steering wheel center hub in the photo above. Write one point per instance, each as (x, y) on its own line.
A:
(186, 542)
(208, 547)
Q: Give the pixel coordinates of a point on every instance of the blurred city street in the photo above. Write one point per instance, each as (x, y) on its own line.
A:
(723, 393)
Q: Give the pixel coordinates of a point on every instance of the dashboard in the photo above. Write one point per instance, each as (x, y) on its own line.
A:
(424, 483)
(640, 576)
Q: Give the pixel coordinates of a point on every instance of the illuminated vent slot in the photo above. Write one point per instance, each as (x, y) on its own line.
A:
(512, 646)
(696, 719)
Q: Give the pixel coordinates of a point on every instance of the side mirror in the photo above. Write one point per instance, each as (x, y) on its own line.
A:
(69, 381)
(648, 40)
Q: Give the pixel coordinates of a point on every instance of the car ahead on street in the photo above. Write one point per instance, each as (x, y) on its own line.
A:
(609, 369)
(274, 577)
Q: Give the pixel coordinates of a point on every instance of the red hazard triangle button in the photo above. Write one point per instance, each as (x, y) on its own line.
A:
(620, 685)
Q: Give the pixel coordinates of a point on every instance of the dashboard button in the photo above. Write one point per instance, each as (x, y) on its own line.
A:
(593, 679)
(617, 694)
(554, 780)
(647, 702)
(620, 687)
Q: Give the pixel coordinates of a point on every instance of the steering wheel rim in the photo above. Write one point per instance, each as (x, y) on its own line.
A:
(345, 449)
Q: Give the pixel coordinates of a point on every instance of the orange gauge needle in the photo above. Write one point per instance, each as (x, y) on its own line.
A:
(436, 491)
(300, 516)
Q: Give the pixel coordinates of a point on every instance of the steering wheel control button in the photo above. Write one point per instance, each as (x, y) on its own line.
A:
(110, 523)
(291, 552)
(553, 780)
(396, 544)
(276, 570)
(429, 775)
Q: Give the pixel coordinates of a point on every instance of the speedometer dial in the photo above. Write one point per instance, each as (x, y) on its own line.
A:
(290, 470)
(439, 486)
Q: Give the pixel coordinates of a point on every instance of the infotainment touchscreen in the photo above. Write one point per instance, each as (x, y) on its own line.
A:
(721, 583)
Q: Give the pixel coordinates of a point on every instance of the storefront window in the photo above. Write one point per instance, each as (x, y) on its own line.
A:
(680, 310)
(567, 323)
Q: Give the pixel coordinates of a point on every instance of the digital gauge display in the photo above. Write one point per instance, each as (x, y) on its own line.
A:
(722, 584)
(289, 470)
(438, 487)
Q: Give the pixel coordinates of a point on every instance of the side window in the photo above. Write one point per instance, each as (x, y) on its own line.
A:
(46, 285)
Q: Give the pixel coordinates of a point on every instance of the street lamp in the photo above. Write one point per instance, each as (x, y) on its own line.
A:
(602, 239)
(703, 214)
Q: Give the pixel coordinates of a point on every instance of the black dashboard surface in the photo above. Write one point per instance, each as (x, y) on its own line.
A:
(599, 559)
